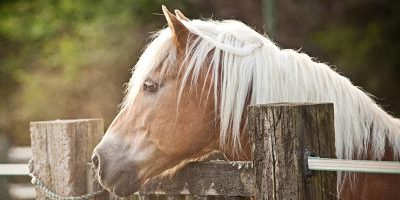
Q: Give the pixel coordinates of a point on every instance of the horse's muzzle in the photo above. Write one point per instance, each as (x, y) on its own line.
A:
(120, 181)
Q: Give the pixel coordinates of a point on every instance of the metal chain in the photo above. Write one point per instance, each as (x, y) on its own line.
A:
(52, 195)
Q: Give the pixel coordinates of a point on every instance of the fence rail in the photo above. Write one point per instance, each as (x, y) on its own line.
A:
(211, 178)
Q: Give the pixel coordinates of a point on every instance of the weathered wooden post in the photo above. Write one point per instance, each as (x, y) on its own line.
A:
(281, 134)
(4, 148)
(61, 154)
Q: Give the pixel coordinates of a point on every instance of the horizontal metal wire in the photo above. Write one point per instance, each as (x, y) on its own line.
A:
(366, 166)
(13, 169)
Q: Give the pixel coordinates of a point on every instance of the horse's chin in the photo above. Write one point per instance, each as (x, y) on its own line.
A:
(125, 190)
(123, 186)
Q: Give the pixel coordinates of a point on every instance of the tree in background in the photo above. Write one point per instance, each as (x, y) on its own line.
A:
(70, 58)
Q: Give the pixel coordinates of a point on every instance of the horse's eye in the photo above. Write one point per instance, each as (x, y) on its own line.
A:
(150, 86)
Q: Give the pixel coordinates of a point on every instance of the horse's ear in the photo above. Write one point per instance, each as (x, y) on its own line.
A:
(181, 16)
(179, 30)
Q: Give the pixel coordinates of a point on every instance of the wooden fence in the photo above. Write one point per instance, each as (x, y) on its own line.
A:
(281, 133)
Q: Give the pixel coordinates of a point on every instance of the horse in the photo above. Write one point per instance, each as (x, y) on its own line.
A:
(188, 96)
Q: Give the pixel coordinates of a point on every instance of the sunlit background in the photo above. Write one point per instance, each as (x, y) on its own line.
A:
(70, 58)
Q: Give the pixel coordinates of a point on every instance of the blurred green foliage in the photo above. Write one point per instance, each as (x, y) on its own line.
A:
(362, 39)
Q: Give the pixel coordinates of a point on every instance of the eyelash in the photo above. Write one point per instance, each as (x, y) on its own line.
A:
(150, 86)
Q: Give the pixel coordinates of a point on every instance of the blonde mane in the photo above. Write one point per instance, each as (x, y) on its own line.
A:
(253, 68)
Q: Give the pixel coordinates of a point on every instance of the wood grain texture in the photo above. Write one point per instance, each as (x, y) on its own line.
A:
(211, 178)
(61, 152)
(191, 197)
(281, 133)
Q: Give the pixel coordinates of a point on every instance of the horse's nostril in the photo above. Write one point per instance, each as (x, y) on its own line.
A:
(95, 160)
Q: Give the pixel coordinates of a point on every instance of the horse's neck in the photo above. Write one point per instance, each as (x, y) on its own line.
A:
(359, 121)
(385, 140)
(395, 144)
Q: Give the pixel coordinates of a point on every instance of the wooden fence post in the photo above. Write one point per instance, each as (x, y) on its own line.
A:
(280, 134)
(4, 148)
(61, 154)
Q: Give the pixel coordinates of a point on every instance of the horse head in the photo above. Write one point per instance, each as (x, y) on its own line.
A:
(161, 124)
